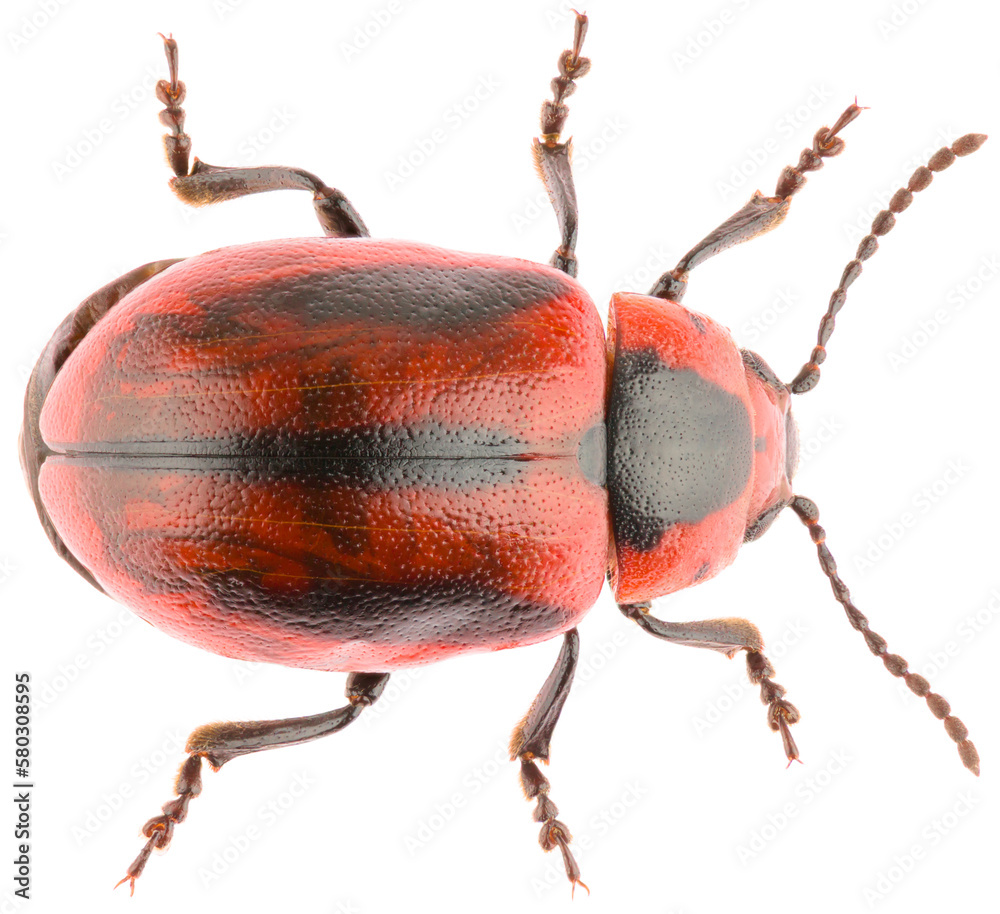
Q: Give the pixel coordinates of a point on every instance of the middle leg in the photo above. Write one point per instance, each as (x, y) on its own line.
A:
(530, 741)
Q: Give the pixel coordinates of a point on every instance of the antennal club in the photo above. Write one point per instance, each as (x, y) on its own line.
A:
(808, 513)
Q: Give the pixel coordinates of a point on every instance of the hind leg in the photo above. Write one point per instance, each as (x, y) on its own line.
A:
(203, 183)
(222, 742)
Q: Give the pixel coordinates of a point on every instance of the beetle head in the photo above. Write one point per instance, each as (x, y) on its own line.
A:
(776, 445)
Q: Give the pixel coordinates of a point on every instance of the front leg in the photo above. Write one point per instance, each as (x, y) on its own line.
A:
(760, 214)
(728, 636)
(552, 158)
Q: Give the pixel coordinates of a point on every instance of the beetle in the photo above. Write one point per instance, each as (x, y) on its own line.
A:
(357, 455)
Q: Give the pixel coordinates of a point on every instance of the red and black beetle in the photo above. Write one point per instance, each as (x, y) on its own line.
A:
(361, 455)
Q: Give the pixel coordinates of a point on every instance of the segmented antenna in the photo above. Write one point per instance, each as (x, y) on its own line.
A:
(808, 377)
(809, 515)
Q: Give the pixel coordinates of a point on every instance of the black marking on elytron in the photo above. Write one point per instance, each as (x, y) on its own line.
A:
(698, 323)
(462, 613)
(701, 572)
(680, 448)
(380, 457)
(417, 296)
(387, 475)
(384, 442)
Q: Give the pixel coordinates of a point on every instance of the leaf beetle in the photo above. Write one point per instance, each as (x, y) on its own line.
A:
(359, 455)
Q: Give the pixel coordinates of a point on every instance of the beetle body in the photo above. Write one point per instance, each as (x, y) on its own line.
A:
(357, 454)
(360, 455)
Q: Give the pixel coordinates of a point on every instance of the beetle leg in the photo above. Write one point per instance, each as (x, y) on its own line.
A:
(221, 742)
(760, 214)
(176, 144)
(728, 636)
(552, 158)
(530, 741)
(213, 184)
(203, 183)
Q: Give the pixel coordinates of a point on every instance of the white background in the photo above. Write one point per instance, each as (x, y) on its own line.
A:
(678, 788)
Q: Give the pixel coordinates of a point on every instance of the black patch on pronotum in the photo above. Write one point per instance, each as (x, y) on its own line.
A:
(681, 448)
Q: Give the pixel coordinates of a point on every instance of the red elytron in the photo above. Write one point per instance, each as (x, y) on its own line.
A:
(277, 456)
(360, 455)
